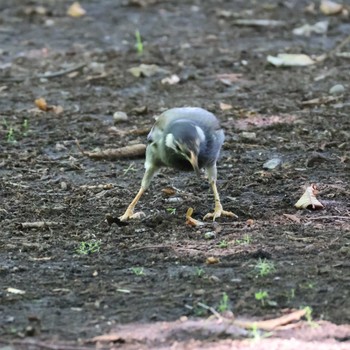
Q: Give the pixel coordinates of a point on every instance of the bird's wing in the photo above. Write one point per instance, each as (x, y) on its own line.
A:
(198, 115)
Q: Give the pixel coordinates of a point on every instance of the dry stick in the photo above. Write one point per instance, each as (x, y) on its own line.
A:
(46, 75)
(115, 153)
(38, 224)
(43, 345)
(329, 217)
(339, 46)
(266, 325)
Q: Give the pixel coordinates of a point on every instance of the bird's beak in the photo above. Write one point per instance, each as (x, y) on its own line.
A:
(194, 163)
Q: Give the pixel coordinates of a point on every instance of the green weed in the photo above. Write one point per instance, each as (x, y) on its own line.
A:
(264, 267)
(223, 244)
(139, 44)
(89, 247)
(138, 271)
(223, 305)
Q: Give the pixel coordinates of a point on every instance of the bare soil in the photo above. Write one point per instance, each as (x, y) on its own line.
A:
(155, 269)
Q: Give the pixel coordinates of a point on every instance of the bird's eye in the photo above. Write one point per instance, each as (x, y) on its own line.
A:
(177, 147)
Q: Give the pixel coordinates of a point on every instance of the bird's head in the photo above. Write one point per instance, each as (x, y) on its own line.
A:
(185, 139)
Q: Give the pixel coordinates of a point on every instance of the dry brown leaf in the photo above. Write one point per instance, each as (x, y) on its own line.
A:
(292, 218)
(75, 10)
(308, 200)
(261, 121)
(229, 78)
(329, 8)
(250, 222)
(190, 221)
(225, 106)
(169, 191)
(41, 104)
(212, 260)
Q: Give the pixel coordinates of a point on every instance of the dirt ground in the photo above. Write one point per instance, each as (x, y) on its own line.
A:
(156, 269)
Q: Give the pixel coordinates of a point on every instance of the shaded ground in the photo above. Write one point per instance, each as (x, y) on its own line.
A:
(44, 177)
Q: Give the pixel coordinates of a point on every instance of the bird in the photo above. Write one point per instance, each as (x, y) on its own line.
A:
(186, 139)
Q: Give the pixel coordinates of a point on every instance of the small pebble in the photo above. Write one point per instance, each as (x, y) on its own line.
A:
(337, 89)
(248, 135)
(272, 163)
(120, 117)
(210, 235)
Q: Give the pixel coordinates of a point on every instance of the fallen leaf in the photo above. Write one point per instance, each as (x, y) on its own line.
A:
(225, 106)
(308, 200)
(75, 10)
(172, 80)
(190, 221)
(250, 222)
(259, 22)
(15, 291)
(292, 218)
(229, 78)
(169, 191)
(146, 70)
(41, 104)
(262, 121)
(329, 8)
(212, 260)
(320, 100)
(307, 29)
(290, 60)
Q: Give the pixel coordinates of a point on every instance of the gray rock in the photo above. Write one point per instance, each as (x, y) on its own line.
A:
(272, 163)
(120, 117)
(337, 89)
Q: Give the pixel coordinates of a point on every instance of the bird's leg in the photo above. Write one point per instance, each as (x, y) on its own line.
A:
(218, 210)
(129, 213)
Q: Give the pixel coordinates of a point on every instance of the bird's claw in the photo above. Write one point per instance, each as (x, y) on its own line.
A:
(218, 213)
(131, 215)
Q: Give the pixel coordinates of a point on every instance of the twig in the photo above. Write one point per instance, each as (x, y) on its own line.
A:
(329, 217)
(212, 310)
(44, 76)
(340, 46)
(131, 151)
(38, 224)
(40, 344)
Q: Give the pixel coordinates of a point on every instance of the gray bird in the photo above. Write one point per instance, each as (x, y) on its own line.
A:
(185, 139)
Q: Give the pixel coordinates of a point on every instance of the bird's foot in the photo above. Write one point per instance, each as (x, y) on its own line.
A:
(218, 212)
(129, 214)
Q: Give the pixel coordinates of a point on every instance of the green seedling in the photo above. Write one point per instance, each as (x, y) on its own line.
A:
(223, 244)
(139, 44)
(90, 247)
(171, 211)
(10, 137)
(291, 294)
(138, 271)
(246, 240)
(264, 267)
(308, 316)
(223, 305)
(25, 127)
(199, 272)
(257, 334)
(262, 296)
(129, 168)
(308, 285)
